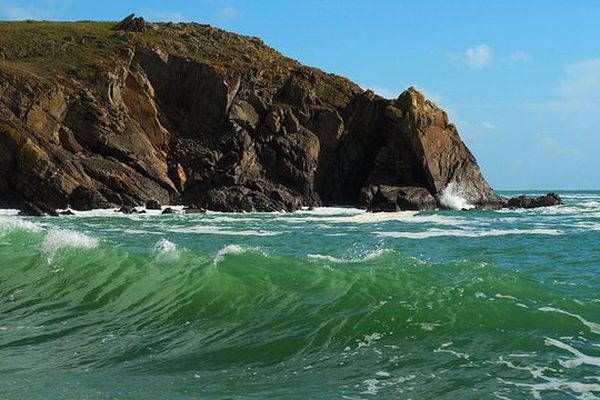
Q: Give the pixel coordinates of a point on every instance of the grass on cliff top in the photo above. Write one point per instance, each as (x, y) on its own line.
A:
(48, 48)
(80, 49)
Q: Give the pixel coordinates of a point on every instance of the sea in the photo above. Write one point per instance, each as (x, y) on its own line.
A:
(330, 303)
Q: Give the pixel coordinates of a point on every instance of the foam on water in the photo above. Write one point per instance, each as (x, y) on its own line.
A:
(366, 257)
(593, 326)
(233, 249)
(579, 359)
(215, 230)
(464, 233)
(58, 239)
(12, 223)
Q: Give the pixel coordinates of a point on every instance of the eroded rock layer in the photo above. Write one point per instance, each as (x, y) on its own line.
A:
(185, 113)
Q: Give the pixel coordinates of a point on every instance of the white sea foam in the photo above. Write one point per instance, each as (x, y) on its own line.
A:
(58, 239)
(215, 230)
(363, 217)
(368, 256)
(593, 326)
(453, 197)
(232, 249)
(10, 212)
(444, 348)
(166, 251)
(464, 233)
(551, 384)
(8, 224)
(579, 359)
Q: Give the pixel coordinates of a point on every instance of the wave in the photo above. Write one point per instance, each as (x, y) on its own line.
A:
(166, 251)
(8, 224)
(58, 239)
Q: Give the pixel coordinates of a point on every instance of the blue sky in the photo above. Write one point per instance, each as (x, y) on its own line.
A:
(521, 79)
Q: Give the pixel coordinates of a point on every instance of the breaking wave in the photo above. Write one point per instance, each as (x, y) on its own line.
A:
(453, 198)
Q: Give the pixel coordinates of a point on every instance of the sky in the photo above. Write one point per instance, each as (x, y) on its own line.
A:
(520, 79)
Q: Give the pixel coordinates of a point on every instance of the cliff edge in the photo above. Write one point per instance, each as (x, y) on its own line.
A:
(94, 115)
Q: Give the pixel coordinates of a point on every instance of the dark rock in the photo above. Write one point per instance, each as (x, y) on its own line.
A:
(153, 205)
(127, 210)
(194, 210)
(168, 210)
(37, 209)
(524, 201)
(85, 199)
(394, 198)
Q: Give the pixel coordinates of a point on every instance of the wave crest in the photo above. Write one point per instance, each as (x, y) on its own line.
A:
(58, 239)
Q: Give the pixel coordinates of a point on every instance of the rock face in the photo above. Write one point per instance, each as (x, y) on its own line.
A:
(94, 117)
(524, 201)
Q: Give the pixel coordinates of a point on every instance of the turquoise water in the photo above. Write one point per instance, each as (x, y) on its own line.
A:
(331, 303)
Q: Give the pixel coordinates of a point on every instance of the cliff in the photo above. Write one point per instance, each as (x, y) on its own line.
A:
(96, 117)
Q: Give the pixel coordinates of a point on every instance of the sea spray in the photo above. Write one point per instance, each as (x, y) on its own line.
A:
(166, 251)
(58, 239)
(453, 197)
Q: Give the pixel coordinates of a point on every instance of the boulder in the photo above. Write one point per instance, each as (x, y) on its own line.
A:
(401, 198)
(153, 205)
(127, 210)
(168, 210)
(524, 201)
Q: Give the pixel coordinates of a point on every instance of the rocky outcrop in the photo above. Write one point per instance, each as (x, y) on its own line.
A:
(191, 114)
(132, 24)
(524, 201)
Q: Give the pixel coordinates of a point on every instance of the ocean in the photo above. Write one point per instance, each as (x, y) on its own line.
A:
(332, 303)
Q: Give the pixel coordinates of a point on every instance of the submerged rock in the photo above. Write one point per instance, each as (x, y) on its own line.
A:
(168, 210)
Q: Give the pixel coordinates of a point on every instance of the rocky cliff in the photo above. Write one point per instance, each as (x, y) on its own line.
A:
(96, 117)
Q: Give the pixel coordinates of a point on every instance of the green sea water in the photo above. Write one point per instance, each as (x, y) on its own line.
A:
(332, 303)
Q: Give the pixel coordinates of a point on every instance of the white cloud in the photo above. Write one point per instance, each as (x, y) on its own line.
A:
(475, 129)
(479, 56)
(228, 14)
(519, 56)
(582, 81)
(554, 147)
(18, 13)
(577, 92)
